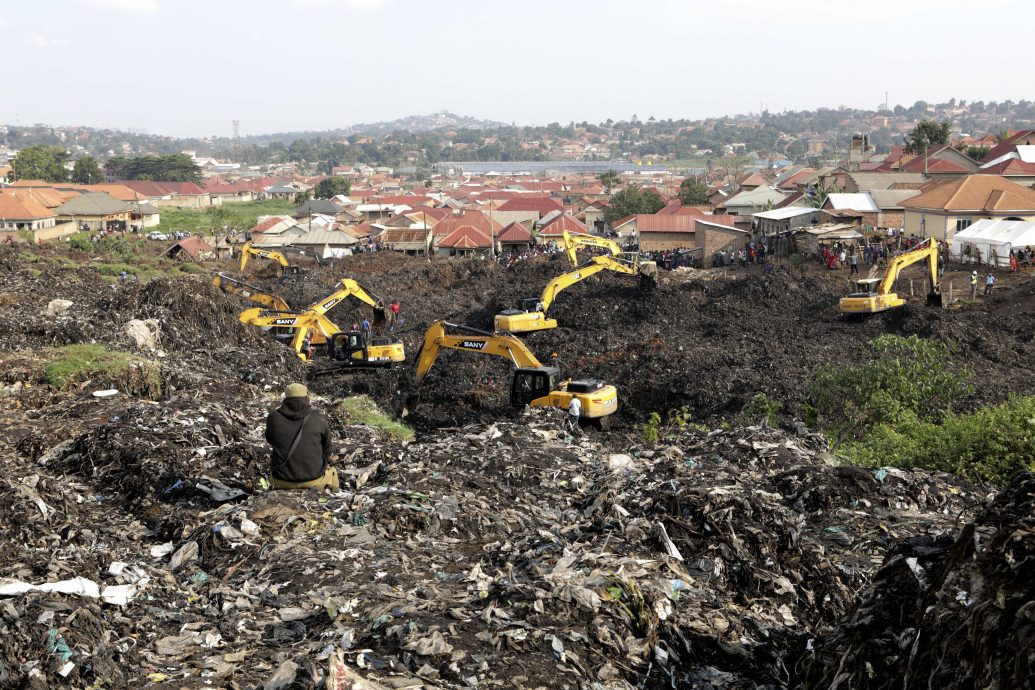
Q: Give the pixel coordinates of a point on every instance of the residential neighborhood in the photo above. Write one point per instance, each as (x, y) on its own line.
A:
(935, 193)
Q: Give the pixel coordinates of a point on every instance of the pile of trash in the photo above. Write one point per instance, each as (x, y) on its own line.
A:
(495, 553)
(710, 345)
(140, 544)
(944, 611)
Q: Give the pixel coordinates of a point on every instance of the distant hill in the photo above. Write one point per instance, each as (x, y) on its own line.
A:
(425, 123)
(414, 124)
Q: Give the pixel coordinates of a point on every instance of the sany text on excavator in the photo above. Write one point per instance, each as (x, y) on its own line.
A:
(234, 286)
(532, 314)
(878, 296)
(312, 327)
(533, 384)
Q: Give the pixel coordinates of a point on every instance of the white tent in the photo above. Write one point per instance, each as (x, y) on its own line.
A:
(991, 241)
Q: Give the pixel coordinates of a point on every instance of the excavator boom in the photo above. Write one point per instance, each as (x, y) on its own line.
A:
(884, 299)
(248, 250)
(534, 316)
(349, 349)
(572, 241)
(533, 384)
(233, 286)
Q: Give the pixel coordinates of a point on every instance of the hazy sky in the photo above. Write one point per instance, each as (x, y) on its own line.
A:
(189, 67)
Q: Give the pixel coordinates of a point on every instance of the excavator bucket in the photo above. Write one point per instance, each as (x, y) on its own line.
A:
(648, 276)
(380, 319)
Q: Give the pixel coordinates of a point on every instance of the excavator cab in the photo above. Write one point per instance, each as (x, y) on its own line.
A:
(532, 383)
(354, 349)
(530, 304)
(345, 346)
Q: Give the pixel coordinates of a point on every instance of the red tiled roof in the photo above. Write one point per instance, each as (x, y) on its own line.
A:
(227, 187)
(184, 188)
(933, 163)
(1011, 166)
(515, 233)
(16, 205)
(1009, 144)
(792, 181)
(540, 204)
(975, 193)
(147, 187)
(476, 219)
(466, 237)
(555, 227)
(622, 221)
(752, 180)
(195, 245)
(411, 200)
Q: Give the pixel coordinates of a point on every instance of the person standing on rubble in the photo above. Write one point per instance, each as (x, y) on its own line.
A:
(301, 441)
(574, 412)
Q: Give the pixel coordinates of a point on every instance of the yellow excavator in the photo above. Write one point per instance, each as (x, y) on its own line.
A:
(531, 314)
(233, 286)
(312, 327)
(280, 256)
(876, 293)
(533, 384)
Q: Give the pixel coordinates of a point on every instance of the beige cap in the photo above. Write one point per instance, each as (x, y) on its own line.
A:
(296, 390)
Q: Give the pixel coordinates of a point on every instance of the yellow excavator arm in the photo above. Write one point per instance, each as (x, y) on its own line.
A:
(498, 345)
(233, 286)
(348, 288)
(318, 327)
(532, 315)
(533, 384)
(248, 250)
(884, 299)
(572, 241)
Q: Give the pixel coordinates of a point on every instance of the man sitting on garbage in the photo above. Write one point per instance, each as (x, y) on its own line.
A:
(301, 443)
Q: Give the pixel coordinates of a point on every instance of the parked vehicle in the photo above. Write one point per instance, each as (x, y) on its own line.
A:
(155, 235)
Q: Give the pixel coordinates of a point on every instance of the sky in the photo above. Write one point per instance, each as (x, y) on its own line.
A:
(191, 67)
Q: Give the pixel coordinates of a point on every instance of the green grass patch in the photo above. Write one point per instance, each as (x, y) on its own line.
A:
(991, 443)
(74, 365)
(240, 216)
(138, 271)
(904, 408)
(362, 410)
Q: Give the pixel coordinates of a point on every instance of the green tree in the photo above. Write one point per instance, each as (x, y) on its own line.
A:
(693, 191)
(86, 171)
(609, 179)
(175, 167)
(41, 163)
(816, 195)
(976, 152)
(301, 198)
(220, 216)
(926, 134)
(908, 375)
(333, 186)
(629, 201)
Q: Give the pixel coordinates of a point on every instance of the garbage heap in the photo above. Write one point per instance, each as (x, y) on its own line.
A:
(945, 612)
(146, 552)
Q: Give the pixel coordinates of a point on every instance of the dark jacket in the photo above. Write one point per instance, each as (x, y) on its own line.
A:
(314, 448)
